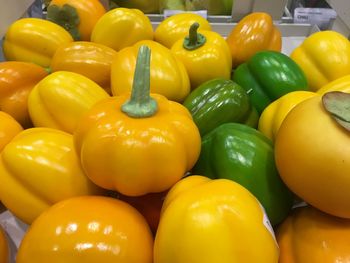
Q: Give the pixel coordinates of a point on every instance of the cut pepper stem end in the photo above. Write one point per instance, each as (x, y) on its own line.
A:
(141, 104)
(194, 40)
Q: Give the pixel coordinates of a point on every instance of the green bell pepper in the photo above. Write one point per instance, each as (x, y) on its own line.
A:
(219, 101)
(243, 154)
(269, 75)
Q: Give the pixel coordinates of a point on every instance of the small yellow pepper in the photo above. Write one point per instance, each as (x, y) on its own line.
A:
(9, 128)
(168, 74)
(34, 40)
(139, 144)
(324, 56)
(205, 55)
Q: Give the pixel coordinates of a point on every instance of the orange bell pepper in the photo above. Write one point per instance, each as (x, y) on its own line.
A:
(89, 59)
(139, 144)
(4, 247)
(9, 128)
(17, 79)
(254, 32)
(309, 235)
(78, 17)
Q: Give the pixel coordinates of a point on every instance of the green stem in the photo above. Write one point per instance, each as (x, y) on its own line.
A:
(194, 39)
(141, 104)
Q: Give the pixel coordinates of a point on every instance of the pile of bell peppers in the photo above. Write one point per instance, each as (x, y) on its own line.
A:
(125, 142)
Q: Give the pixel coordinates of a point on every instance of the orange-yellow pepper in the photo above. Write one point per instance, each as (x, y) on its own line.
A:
(90, 59)
(9, 128)
(205, 55)
(61, 98)
(206, 221)
(78, 17)
(88, 229)
(176, 27)
(34, 40)
(324, 56)
(137, 144)
(309, 235)
(17, 79)
(38, 168)
(4, 247)
(254, 32)
(169, 76)
(122, 27)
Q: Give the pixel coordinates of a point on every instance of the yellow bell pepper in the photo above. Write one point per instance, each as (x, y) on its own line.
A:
(17, 79)
(137, 144)
(4, 247)
(9, 128)
(78, 17)
(340, 84)
(273, 115)
(205, 55)
(38, 168)
(34, 40)
(122, 27)
(324, 56)
(254, 32)
(60, 99)
(309, 235)
(176, 27)
(168, 74)
(90, 59)
(206, 221)
(88, 229)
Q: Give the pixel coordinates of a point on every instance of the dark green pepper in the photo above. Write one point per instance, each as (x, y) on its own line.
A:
(269, 75)
(219, 101)
(243, 154)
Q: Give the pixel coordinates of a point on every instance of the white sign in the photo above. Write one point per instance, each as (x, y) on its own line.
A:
(322, 17)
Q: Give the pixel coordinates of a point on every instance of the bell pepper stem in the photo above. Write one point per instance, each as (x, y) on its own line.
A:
(194, 39)
(141, 104)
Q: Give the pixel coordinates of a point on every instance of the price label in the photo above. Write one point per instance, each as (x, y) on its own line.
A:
(322, 17)
(168, 12)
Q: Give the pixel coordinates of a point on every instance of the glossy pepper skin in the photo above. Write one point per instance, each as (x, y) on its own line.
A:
(88, 229)
(206, 221)
(219, 101)
(168, 74)
(4, 247)
(122, 27)
(78, 17)
(269, 75)
(34, 40)
(17, 79)
(38, 168)
(9, 128)
(89, 59)
(176, 27)
(205, 55)
(273, 115)
(324, 56)
(242, 154)
(60, 99)
(143, 143)
(253, 33)
(309, 235)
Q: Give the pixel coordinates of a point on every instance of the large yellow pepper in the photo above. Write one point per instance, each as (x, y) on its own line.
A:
(9, 128)
(60, 99)
(90, 59)
(340, 84)
(34, 40)
(17, 79)
(254, 32)
(205, 55)
(273, 115)
(168, 74)
(88, 229)
(309, 235)
(4, 247)
(324, 56)
(78, 17)
(139, 144)
(206, 221)
(176, 27)
(122, 27)
(38, 168)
